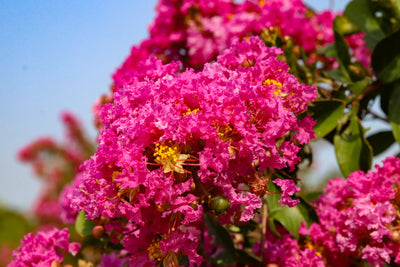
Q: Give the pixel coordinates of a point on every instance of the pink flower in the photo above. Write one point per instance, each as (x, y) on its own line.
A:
(357, 216)
(288, 189)
(113, 259)
(172, 141)
(196, 32)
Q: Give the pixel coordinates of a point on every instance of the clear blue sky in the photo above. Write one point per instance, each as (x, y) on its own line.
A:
(59, 55)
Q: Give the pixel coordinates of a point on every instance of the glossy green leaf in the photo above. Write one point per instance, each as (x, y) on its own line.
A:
(222, 237)
(353, 152)
(312, 196)
(357, 87)
(82, 226)
(381, 141)
(326, 113)
(394, 111)
(386, 58)
(361, 13)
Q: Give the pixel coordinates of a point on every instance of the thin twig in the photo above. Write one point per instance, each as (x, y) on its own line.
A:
(376, 116)
(263, 227)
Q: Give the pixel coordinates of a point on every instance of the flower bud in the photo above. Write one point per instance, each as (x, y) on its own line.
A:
(395, 236)
(98, 231)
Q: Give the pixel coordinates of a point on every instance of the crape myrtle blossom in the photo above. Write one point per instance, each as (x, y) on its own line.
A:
(44, 249)
(286, 251)
(196, 31)
(360, 217)
(176, 145)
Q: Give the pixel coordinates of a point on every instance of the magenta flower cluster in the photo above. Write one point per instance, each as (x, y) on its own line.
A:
(202, 117)
(196, 31)
(177, 145)
(359, 217)
(47, 248)
(286, 251)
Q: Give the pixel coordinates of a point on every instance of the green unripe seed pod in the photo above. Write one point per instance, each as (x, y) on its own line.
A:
(219, 204)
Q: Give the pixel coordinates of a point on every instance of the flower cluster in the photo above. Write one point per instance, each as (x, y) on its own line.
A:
(176, 145)
(286, 251)
(194, 32)
(204, 116)
(44, 249)
(360, 217)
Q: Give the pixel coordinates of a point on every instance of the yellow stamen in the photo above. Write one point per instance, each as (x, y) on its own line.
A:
(194, 111)
(278, 85)
(312, 247)
(169, 156)
(155, 251)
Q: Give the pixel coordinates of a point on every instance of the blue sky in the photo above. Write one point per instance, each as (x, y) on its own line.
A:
(55, 56)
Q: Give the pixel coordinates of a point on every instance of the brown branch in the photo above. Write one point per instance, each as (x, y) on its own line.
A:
(368, 90)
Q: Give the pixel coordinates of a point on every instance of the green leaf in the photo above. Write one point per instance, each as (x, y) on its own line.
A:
(222, 237)
(312, 196)
(290, 218)
(82, 226)
(381, 141)
(386, 58)
(394, 111)
(340, 74)
(342, 49)
(353, 152)
(327, 50)
(361, 13)
(326, 113)
(384, 97)
(344, 26)
(251, 226)
(357, 87)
